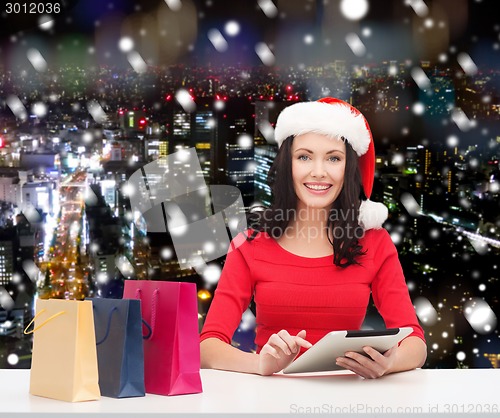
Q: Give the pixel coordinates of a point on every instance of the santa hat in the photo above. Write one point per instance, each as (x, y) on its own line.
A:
(336, 118)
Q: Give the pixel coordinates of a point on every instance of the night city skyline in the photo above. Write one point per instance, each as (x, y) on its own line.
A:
(80, 114)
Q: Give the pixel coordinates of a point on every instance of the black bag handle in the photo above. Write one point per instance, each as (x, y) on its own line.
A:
(108, 327)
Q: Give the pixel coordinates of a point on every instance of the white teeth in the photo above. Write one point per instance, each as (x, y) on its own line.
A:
(315, 187)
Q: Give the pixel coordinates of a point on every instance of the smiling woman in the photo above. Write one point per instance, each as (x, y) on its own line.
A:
(312, 260)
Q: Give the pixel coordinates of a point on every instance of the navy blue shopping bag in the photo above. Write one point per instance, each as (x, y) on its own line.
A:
(120, 353)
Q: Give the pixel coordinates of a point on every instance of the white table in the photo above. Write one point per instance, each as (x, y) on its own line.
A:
(417, 391)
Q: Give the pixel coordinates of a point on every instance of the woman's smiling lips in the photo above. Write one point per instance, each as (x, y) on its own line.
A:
(318, 188)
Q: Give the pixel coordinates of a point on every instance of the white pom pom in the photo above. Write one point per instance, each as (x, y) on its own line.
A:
(372, 214)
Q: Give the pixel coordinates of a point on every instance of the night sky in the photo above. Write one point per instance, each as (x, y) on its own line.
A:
(306, 32)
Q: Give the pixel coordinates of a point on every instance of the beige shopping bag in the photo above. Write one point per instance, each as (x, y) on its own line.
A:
(64, 358)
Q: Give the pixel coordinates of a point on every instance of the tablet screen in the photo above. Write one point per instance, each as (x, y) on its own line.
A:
(322, 355)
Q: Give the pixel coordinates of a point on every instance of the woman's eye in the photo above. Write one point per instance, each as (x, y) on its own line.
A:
(334, 159)
(303, 157)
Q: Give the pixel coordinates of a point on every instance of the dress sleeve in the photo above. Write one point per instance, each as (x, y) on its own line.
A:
(389, 289)
(232, 295)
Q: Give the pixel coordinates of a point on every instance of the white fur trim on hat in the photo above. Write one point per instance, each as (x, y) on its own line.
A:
(334, 120)
(372, 215)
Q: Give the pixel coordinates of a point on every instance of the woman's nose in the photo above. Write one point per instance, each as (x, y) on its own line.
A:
(318, 169)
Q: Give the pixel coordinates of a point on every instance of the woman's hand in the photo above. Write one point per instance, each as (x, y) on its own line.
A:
(373, 366)
(280, 350)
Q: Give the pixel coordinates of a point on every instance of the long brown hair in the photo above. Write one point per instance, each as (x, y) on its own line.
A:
(343, 220)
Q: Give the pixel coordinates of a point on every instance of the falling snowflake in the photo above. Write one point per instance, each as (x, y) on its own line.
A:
(39, 109)
(174, 5)
(480, 315)
(37, 60)
(429, 23)
(265, 54)
(467, 64)
(452, 141)
(354, 9)
(410, 204)
(124, 265)
(356, 44)
(443, 58)
(247, 321)
(126, 44)
(211, 273)
(96, 111)
(87, 137)
(185, 100)
(17, 107)
(219, 105)
(211, 123)
(418, 6)
(396, 238)
(462, 121)
(245, 141)
(31, 270)
(420, 78)
(267, 131)
(434, 233)
(12, 359)
(217, 40)
(425, 311)
(6, 301)
(31, 214)
(268, 7)
(366, 32)
(166, 253)
(308, 39)
(102, 278)
(481, 247)
(128, 190)
(46, 22)
(209, 247)
(232, 28)
(494, 187)
(137, 62)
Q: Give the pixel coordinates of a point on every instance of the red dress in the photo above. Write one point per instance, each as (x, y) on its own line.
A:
(294, 293)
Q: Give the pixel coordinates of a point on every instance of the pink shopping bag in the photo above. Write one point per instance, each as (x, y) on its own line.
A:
(172, 348)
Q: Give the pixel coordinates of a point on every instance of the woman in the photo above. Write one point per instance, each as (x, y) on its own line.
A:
(314, 257)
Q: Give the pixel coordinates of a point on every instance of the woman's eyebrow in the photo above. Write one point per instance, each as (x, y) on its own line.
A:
(311, 152)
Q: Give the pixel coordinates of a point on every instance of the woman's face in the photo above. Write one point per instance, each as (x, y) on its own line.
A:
(318, 165)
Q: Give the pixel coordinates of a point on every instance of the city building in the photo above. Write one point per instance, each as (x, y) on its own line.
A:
(7, 255)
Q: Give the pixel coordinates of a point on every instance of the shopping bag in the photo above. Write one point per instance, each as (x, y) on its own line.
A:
(64, 356)
(120, 354)
(172, 351)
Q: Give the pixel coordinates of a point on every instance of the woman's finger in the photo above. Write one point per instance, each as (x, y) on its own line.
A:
(300, 339)
(268, 349)
(277, 342)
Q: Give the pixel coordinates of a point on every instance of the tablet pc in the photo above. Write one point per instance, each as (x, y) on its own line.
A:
(321, 356)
